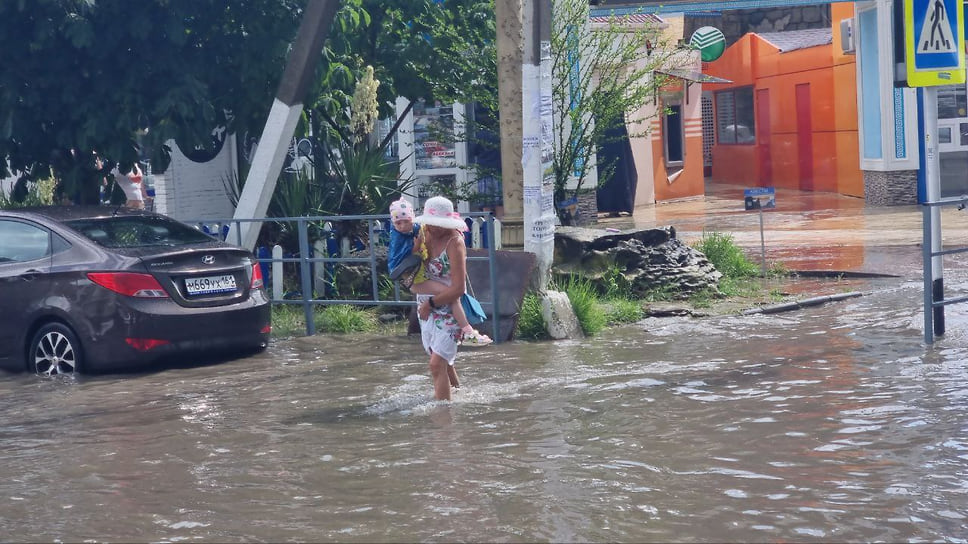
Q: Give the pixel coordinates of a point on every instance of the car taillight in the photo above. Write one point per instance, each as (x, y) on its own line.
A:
(145, 344)
(257, 282)
(129, 284)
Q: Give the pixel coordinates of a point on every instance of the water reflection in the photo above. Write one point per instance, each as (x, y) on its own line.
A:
(832, 423)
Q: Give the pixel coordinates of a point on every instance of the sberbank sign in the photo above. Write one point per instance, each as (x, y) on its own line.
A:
(710, 42)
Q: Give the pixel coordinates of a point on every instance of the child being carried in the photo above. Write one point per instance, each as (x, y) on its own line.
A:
(401, 258)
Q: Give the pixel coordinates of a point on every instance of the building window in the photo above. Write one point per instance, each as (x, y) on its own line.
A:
(952, 102)
(734, 117)
(672, 134)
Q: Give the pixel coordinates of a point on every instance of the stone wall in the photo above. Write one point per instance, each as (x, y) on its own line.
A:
(735, 23)
(890, 188)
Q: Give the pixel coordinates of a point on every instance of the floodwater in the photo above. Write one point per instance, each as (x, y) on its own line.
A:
(832, 423)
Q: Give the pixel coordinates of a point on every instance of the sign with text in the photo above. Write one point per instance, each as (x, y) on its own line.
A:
(759, 198)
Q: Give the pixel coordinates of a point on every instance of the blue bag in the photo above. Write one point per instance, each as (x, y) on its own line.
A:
(472, 309)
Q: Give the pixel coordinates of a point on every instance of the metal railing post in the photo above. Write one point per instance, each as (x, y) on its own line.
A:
(492, 271)
(305, 274)
(373, 275)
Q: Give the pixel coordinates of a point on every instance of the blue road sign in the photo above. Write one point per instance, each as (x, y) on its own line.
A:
(759, 197)
(934, 42)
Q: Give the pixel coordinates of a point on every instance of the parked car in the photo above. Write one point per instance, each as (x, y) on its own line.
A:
(91, 288)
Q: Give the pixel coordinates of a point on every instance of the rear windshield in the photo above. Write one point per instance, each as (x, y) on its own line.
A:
(138, 231)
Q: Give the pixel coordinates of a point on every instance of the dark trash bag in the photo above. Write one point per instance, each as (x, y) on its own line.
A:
(406, 271)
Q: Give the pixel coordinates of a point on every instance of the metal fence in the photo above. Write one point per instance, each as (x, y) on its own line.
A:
(934, 301)
(321, 247)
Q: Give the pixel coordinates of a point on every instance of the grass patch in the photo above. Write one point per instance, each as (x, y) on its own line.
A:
(614, 284)
(623, 310)
(726, 256)
(531, 324)
(344, 318)
(289, 319)
(665, 293)
(585, 303)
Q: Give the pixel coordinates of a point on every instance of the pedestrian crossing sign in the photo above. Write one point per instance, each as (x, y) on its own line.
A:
(934, 42)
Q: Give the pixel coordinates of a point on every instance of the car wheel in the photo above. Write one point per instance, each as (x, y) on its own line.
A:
(54, 350)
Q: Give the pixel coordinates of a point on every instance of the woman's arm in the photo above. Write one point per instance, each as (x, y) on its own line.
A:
(458, 271)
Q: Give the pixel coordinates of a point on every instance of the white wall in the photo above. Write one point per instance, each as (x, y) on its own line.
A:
(6, 185)
(190, 190)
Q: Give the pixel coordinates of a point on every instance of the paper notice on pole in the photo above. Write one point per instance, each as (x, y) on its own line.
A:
(542, 229)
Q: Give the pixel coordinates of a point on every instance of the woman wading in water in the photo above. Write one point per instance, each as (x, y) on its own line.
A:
(441, 247)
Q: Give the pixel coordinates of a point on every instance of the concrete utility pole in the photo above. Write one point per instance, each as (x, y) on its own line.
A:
(538, 140)
(510, 57)
(285, 112)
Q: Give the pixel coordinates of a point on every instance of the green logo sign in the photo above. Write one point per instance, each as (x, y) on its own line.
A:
(710, 42)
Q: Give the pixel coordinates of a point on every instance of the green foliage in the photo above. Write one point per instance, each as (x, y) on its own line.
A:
(584, 302)
(531, 324)
(739, 287)
(417, 48)
(664, 293)
(622, 310)
(38, 194)
(344, 318)
(779, 270)
(80, 76)
(288, 320)
(614, 284)
(703, 298)
(726, 256)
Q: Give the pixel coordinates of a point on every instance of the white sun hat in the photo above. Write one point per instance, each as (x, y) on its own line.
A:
(439, 212)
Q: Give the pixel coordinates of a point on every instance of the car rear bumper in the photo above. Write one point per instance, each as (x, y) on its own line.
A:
(163, 335)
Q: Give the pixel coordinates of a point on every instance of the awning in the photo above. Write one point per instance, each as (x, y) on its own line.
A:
(690, 77)
(693, 77)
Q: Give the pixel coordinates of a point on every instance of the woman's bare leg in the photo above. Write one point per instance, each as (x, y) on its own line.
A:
(438, 372)
(452, 376)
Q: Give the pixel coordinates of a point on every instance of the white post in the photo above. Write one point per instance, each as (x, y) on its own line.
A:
(932, 193)
(277, 273)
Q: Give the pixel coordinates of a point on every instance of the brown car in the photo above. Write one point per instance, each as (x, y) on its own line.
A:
(103, 288)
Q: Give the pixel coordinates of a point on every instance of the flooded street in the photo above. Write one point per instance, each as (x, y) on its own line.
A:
(831, 423)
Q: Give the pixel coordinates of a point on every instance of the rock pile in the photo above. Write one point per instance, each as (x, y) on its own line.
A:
(649, 260)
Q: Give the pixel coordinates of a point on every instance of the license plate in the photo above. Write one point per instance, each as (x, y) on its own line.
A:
(207, 285)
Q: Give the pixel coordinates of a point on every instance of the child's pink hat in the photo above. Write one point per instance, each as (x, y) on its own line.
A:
(401, 209)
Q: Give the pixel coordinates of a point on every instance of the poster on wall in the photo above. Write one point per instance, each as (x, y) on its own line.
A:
(433, 136)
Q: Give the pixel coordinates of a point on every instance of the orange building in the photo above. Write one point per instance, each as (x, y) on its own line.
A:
(676, 134)
(789, 117)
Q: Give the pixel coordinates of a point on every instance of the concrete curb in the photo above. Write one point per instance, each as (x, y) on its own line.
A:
(796, 305)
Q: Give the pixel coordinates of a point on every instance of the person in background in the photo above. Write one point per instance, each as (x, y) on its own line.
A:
(132, 183)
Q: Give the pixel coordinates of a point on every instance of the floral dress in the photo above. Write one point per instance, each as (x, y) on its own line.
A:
(440, 333)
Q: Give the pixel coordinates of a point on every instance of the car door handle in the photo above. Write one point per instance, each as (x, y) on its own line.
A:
(31, 274)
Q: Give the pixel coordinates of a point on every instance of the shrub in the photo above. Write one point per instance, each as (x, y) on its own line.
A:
(39, 193)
